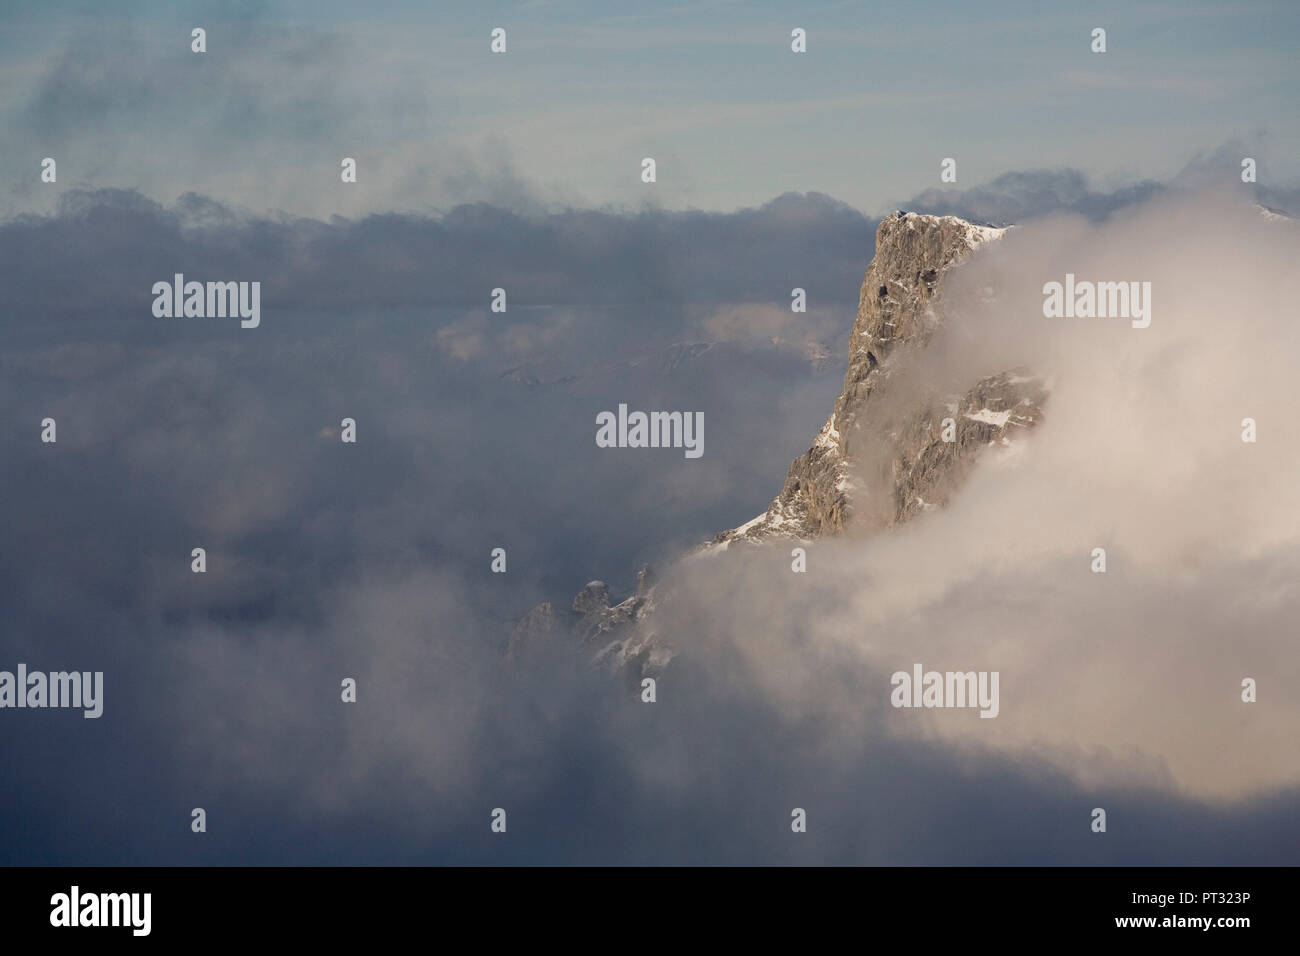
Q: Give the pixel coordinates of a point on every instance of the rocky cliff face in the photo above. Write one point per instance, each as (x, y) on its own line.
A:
(877, 462)
(886, 453)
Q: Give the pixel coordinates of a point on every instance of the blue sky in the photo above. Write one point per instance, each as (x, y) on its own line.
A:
(710, 90)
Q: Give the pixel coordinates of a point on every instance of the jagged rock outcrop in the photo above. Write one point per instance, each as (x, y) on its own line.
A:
(597, 624)
(882, 457)
(876, 462)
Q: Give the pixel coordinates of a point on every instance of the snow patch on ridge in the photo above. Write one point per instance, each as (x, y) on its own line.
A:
(974, 233)
(990, 417)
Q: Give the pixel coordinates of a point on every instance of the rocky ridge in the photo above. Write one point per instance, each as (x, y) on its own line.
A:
(879, 460)
(830, 486)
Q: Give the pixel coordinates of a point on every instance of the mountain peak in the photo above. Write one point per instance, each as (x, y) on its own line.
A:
(898, 307)
(877, 461)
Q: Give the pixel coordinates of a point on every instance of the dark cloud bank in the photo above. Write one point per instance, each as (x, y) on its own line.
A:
(371, 561)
